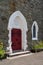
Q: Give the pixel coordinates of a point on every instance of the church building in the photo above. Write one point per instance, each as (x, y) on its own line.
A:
(21, 24)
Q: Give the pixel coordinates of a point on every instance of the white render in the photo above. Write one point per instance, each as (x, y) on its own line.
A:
(36, 25)
(17, 20)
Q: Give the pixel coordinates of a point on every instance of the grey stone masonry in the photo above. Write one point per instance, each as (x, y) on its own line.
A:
(31, 9)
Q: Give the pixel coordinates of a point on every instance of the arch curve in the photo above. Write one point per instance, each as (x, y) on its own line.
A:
(18, 21)
(12, 18)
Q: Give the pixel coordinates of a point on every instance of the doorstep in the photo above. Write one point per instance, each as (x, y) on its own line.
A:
(19, 54)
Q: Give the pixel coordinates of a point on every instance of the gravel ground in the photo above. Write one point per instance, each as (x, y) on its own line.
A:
(34, 59)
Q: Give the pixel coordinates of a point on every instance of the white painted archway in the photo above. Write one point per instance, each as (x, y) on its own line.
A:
(17, 20)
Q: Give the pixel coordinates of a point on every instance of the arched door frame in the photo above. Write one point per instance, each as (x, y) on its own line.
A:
(22, 26)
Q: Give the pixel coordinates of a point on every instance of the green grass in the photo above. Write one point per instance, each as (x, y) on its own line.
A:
(38, 46)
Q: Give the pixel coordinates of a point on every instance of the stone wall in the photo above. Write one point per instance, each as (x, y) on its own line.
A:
(31, 9)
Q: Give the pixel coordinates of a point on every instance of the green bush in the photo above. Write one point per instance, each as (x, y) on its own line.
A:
(2, 51)
(38, 46)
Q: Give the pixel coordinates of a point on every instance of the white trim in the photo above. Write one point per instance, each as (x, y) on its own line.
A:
(17, 20)
(36, 25)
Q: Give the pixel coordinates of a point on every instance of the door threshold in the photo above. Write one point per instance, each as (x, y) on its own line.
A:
(19, 53)
(15, 57)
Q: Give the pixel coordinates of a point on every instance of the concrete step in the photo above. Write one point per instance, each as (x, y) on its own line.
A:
(19, 53)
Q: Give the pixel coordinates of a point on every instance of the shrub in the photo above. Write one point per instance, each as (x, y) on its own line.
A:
(38, 47)
(2, 51)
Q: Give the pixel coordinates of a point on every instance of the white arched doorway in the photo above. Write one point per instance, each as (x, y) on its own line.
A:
(17, 22)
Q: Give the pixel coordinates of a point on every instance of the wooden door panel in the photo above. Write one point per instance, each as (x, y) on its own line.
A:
(16, 39)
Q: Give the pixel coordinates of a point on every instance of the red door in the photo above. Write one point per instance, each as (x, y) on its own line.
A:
(16, 39)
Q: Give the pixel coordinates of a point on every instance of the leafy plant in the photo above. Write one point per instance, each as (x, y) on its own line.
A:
(2, 51)
(38, 47)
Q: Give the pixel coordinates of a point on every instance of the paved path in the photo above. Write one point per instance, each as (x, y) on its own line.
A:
(34, 59)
